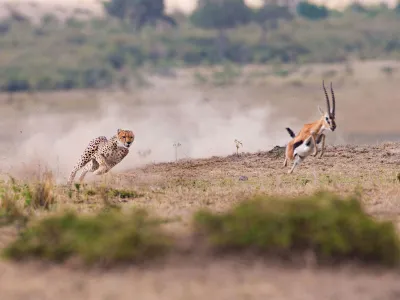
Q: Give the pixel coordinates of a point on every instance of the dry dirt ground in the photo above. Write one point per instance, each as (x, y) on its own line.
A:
(177, 189)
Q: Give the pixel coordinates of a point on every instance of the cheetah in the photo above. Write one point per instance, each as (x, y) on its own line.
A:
(101, 154)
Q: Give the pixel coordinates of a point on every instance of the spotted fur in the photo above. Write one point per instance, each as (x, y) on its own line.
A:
(101, 155)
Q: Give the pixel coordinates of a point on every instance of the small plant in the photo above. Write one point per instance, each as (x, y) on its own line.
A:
(124, 194)
(90, 192)
(176, 146)
(334, 229)
(77, 191)
(238, 145)
(107, 238)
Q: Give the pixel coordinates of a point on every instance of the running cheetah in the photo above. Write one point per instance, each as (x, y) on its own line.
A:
(101, 154)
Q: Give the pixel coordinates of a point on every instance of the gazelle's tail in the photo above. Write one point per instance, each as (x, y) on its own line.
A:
(291, 133)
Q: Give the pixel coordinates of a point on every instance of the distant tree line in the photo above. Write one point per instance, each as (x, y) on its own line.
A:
(215, 14)
(224, 14)
(122, 50)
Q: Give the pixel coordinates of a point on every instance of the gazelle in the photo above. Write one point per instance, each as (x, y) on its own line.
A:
(306, 141)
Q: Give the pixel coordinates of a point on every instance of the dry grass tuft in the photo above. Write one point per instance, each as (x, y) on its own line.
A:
(42, 193)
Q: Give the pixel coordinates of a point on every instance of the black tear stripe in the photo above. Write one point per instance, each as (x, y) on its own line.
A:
(295, 145)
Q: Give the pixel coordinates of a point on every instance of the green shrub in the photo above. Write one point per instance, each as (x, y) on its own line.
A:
(124, 193)
(107, 238)
(334, 229)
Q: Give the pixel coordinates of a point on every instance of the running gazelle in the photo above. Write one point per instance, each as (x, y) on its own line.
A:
(305, 142)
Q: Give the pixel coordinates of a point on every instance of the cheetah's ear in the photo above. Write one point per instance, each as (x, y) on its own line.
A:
(119, 130)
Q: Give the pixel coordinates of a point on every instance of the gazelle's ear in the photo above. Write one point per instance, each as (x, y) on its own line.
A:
(321, 111)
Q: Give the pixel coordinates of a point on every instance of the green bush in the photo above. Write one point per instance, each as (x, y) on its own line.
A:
(124, 194)
(334, 229)
(107, 238)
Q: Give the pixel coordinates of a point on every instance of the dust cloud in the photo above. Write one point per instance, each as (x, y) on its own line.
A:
(202, 127)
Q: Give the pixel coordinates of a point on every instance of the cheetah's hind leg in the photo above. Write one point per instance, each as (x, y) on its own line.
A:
(90, 167)
(86, 157)
(78, 166)
(101, 170)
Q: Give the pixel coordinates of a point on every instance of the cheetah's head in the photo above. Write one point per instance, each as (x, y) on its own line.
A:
(125, 137)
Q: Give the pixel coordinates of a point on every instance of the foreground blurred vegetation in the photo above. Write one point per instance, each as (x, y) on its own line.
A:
(331, 228)
(87, 51)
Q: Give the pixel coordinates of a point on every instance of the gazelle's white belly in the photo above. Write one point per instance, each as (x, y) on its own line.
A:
(306, 148)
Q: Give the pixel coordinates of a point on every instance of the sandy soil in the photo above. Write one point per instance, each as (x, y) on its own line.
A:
(223, 279)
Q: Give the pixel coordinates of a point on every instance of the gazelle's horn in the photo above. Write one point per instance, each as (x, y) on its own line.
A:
(327, 98)
(333, 101)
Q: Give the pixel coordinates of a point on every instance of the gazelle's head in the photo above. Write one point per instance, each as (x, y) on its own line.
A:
(328, 117)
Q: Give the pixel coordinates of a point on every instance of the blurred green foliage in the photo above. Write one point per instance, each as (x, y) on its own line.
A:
(332, 228)
(97, 52)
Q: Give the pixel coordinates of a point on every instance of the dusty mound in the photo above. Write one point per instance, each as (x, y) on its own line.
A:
(346, 158)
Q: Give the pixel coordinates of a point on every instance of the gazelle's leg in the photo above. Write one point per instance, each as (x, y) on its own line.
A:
(315, 146)
(322, 146)
(298, 159)
(288, 154)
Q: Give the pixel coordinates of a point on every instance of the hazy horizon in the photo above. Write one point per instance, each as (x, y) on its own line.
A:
(185, 6)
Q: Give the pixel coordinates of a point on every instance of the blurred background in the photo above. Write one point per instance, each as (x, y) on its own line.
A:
(201, 73)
